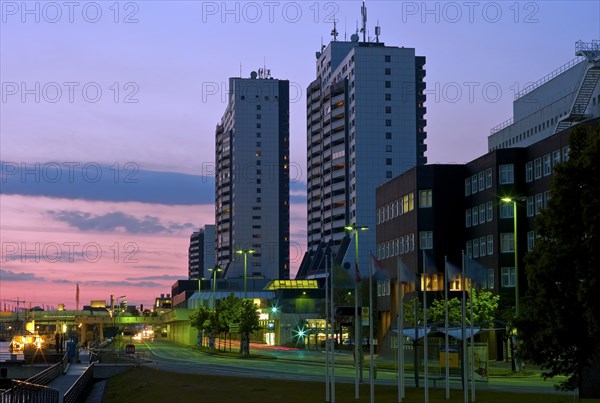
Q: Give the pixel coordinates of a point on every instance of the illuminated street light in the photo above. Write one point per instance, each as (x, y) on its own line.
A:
(215, 270)
(245, 253)
(357, 319)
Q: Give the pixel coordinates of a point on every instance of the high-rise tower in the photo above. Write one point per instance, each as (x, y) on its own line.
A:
(365, 125)
(252, 178)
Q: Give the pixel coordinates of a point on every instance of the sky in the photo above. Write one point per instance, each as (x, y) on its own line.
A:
(108, 112)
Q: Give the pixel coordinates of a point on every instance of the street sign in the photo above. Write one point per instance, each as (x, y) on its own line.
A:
(130, 349)
(234, 328)
(365, 315)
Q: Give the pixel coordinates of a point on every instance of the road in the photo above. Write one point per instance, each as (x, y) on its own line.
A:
(304, 365)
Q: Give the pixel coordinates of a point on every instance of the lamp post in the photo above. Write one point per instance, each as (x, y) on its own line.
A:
(214, 271)
(245, 253)
(514, 200)
(357, 319)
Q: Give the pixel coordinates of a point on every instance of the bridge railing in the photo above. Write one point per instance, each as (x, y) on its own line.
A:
(22, 391)
(81, 387)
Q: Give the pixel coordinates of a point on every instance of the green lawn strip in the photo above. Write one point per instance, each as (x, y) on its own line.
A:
(150, 385)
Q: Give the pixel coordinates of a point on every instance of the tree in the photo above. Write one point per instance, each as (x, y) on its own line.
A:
(485, 305)
(560, 320)
(249, 321)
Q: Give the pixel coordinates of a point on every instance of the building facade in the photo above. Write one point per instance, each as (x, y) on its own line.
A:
(252, 179)
(568, 95)
(201, 252)
(365, 125)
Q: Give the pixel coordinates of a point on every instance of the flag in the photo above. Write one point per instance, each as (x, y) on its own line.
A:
(429, 278)
(475, 271)
(407, 276)
(454, 275)
(356, 272)
(379, 271)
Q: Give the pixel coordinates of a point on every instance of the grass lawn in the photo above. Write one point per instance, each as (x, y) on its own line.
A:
(150, 385)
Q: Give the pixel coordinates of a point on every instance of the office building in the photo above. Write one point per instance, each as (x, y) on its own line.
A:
(365, 125)
(201, 252)
(563, 98)
(252, 179)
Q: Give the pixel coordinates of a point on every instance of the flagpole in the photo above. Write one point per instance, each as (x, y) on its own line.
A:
(464, 331)
(398, 326)
(371, 352)
(332, 316)
(446, 341)
(425, 352)
(327, 347)
(472, 344)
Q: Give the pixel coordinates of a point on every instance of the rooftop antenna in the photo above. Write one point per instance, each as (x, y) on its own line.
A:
(363, 13)
(334, 31)
(377, 32)
(345, 33)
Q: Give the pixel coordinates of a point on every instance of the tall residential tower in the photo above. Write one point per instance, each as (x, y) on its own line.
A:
(252, 179)
(365, 125)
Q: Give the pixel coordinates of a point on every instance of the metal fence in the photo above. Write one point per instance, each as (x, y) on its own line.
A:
(22, 392)
(81, 387)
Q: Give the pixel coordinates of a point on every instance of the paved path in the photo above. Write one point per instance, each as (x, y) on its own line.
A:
(64, 382)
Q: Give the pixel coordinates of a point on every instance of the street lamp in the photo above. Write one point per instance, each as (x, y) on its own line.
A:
(514, 201)
(215, 270)
(357, 324)
(245, 253)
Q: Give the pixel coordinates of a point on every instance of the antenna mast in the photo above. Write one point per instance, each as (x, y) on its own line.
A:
(363, 12)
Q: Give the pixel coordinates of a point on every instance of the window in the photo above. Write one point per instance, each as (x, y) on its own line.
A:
(388, 71)
(388, 84)
(530, 240)
(388, 58)
(506, 210)
(490, 245)
(508, 276)
(488, 178)
(388, 161)
(388, 136)
(402, 245)
(565, 154)
(388, 122)
(539, 203)
(258, 126)
(475, 215)
(546, 198)
(425, 198)
(482, 246)
(474, 184)
(547, 165)
(469, 249)
(405, 204)
(412, 242)
(388, 109)
(468, 187)
(481, 213)
(489, 211)
(475, 247)
(507, 244)
(530, 209)
(529, 172)
(425, 240)
(507, 174)
(388, 148)
(468, 218)
(537, 168)
(556, 158)
(481, 177)
(258, 116)
(388, 174)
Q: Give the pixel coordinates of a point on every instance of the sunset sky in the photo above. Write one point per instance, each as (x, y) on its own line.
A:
(108, 114)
